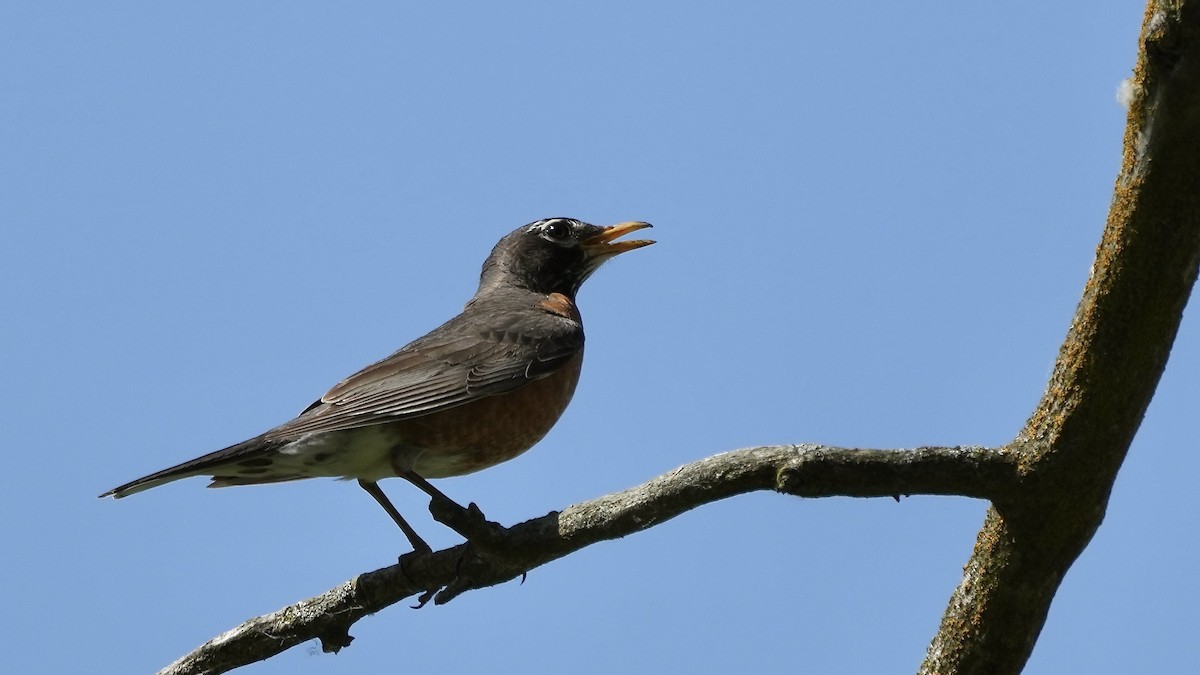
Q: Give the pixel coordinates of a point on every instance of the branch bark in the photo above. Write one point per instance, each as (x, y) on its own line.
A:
(1049, 487)
(506, 553)
(1107, 369)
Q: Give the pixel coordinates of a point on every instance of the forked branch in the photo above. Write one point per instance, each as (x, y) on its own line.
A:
(1049, 487)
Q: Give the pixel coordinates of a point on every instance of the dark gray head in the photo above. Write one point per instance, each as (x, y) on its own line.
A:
(555, 255)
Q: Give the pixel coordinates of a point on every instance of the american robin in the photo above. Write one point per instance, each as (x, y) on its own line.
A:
(480, 389)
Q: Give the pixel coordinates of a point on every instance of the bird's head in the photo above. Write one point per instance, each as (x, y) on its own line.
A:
(556, 255)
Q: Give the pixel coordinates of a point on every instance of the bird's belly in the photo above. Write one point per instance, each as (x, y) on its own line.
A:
(486, 432)
(356, 453)
(453, 442)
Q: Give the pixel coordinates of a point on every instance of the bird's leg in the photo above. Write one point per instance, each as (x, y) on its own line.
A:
(428, 488)
(415, 539)
(468, 522)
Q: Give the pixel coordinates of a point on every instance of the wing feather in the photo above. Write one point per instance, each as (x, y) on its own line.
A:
(447, 368)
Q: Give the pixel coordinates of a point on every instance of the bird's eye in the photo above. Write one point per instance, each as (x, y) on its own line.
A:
(557, 231)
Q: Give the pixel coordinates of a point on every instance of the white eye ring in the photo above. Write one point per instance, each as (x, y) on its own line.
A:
(557, 230)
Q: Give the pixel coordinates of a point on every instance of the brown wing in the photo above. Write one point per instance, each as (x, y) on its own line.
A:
(458, 363)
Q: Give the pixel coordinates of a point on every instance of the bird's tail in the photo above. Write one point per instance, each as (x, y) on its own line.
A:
(207, 465)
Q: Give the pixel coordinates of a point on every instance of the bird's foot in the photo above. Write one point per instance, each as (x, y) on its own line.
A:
(485, 553)
(473, 564)
(425, 597)
(468, 522)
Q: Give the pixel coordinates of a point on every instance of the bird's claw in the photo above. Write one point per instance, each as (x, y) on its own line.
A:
(424, 598)
(469, 521)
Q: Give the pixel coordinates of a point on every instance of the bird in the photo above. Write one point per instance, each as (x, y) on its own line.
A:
(478, 390)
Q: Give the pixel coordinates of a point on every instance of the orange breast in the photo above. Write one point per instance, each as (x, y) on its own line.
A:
(486, 432)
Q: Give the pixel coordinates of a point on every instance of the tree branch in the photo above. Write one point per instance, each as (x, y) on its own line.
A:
(1049, 487)
(1108, 367)
(800, 470)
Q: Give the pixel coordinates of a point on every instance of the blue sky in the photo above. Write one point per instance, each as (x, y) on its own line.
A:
(874, 224)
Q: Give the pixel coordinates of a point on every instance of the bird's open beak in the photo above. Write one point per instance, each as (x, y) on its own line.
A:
(602, 244)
